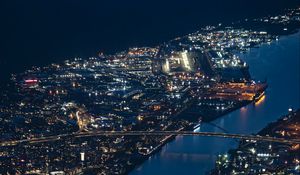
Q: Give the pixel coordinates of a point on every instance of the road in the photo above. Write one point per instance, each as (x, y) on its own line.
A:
(147, 133)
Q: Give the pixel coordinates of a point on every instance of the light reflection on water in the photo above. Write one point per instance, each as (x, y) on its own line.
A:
(279, 63)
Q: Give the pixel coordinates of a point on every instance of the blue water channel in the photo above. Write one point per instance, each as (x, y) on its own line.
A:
(279, 62)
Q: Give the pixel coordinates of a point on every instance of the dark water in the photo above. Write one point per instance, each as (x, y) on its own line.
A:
(280, 63)
(35, 32)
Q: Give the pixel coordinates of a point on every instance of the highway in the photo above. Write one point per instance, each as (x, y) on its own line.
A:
(147, 133)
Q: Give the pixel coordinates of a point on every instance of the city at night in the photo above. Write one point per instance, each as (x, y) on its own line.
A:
(150, 87)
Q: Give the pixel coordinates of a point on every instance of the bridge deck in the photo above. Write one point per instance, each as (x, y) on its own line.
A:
(146, 133)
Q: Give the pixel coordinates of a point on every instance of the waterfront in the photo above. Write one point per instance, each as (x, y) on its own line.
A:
(279, 63)
(53, 117)
(39, 33)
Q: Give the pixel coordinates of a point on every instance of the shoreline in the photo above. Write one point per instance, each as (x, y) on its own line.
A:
(271, 130)
(190, 128)
(237, 107)
(208, 113)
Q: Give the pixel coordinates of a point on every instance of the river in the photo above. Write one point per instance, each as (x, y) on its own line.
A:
(279, 62)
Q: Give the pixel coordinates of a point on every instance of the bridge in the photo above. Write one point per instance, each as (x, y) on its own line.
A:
(147, 133)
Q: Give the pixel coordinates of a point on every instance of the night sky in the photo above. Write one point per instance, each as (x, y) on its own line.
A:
(35, 32)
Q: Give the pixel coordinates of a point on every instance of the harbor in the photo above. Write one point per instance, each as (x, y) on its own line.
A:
(198, 154)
